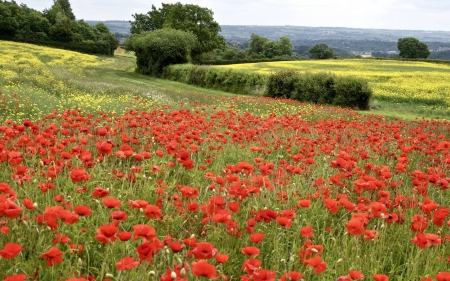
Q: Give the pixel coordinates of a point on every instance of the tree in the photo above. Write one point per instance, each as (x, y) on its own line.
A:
(256, 44)
(272, 49)
(189, 18)
(286, 46)
(103, 34)
(65, 5)
(157, 49)
(321, 51)
(411, 48)
(62, 30)
(8, 22)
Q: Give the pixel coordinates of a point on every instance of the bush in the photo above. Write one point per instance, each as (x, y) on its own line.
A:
(282, 84)
(352, 92)
(160, 48)
(320, 88)
(238, 82)
(316, 88)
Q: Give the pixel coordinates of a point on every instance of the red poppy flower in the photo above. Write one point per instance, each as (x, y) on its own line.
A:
(331, 205)
(221, 258)
(146, 251)
(76, 248)
(17, 277)
(257, 237)
(355, 275)
(61, 238)
(250, 251)
(144, 231)
(124, 235)
(15, 158)
(203, 268)
(380, 277)
(292, 276)
(264, 275)
(203, 250)
(443, 276)
(189, 192)
(112, 202)
(250, 265)
(100, 192)
(355, 226)
(53, 256)
(304, 203)
(307, 231)
(421, 241)
(28, 204)
(371, 235)
(104, 147)
(176, 246)
(153, 212)
(190, 242)
(10, 250)
(78, 175)
(83, 210)
(106, 234)
(126, 263)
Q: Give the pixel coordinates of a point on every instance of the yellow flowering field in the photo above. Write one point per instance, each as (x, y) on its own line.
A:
(395, 81)
(41, 79)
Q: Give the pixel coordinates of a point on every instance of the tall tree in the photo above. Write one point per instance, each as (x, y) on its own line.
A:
(188, 18)
(8, 21)
(286, 46)
(256, 44)
(411, 48)
(321, 51)
(67, 9)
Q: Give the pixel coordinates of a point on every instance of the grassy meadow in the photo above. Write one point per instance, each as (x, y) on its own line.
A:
(106, 174)
(407, 87)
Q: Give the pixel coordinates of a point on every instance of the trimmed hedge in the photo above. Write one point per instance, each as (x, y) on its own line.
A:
(238, 82)
(320, 88)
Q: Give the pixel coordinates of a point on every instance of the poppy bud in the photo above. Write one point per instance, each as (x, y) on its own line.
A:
(173, 275)
(182, 272)
(151, 273)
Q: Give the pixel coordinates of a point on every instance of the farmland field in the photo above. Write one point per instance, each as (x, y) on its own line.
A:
(109, 175)
(425, 86)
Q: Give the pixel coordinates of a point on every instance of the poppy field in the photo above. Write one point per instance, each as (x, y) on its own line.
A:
(222, 188)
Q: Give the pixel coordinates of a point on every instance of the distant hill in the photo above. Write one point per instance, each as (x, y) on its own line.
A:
(348, 39)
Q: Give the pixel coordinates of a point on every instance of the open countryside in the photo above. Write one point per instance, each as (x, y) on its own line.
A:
(423, 84)
(108, 174)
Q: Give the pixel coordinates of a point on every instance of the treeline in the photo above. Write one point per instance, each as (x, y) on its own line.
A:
(261, 49)
(54, 27)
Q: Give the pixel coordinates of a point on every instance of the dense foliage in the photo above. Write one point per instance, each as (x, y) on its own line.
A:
(411, 48)
(54, 27)
(321, 52)
(320, 88)
(238, 82)
(189, 18)
(157, 49)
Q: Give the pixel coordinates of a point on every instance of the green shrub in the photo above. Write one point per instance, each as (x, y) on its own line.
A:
(320, 88)
(238, 82)
(282, 84)
(316, 88)
(352, 92)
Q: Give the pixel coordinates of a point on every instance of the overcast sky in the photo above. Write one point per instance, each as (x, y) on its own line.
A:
(384, 14)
